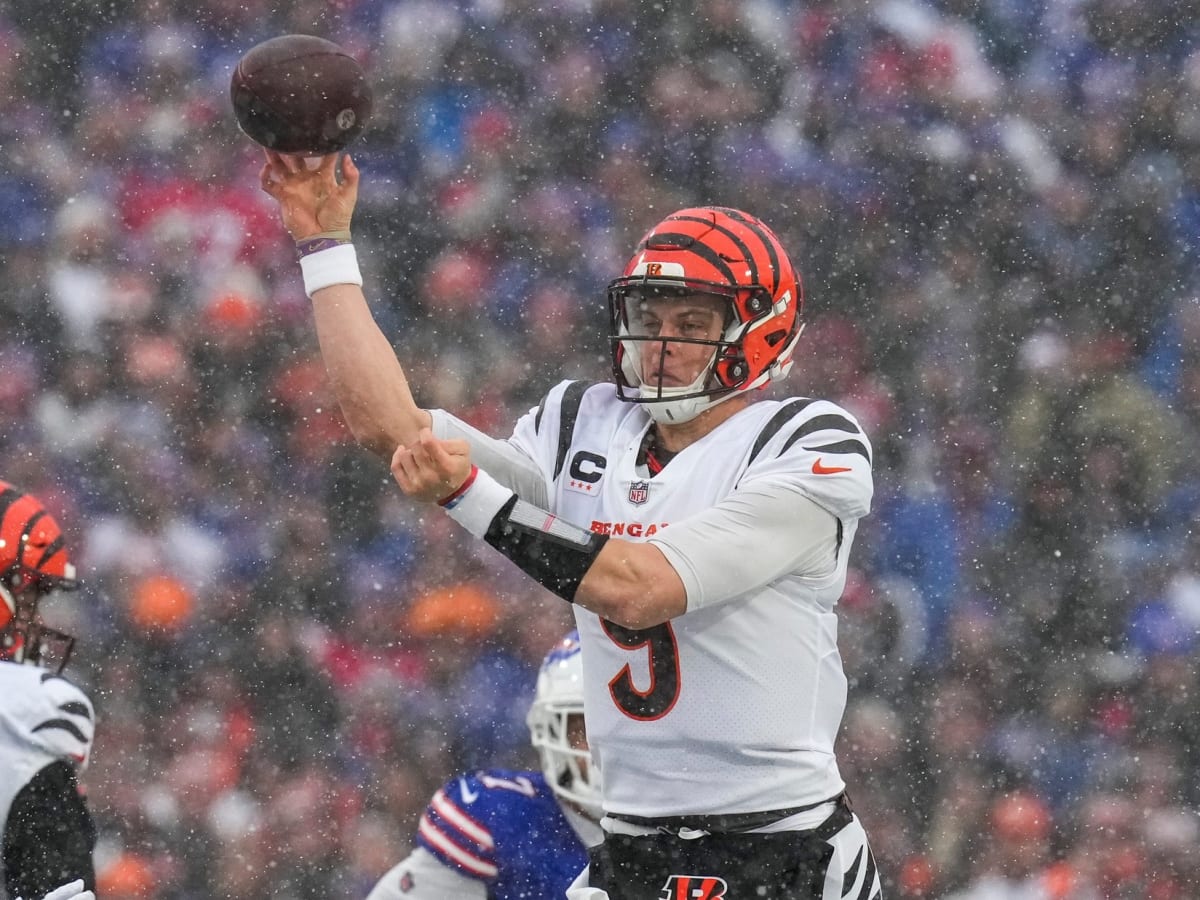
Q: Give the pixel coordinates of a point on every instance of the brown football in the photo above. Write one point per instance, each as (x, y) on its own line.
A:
(300, 94)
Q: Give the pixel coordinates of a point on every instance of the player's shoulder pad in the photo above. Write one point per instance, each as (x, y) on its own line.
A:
(489, 798)
(61, 717)
(489, 788)
(466, 816)
(558, 413)
(821, 445)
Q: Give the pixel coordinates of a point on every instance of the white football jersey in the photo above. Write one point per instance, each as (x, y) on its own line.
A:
(734, 706)
(43, 718)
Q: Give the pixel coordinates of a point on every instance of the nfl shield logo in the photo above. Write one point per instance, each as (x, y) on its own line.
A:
(639, 492)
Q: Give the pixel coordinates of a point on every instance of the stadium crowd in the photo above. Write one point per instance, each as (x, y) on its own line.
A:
(995, 205)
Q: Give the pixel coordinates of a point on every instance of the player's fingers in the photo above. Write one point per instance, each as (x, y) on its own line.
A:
(442, 459)
(403, 458)
(71, 889)
(417, 477)
(403, 467)
(402, 479)
(451, 460)
(349, 172)
(284, 163)
(423, 455)
(434, 451)
(418, 465)
(456, 447)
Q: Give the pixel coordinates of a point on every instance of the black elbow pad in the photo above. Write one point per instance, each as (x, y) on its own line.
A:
(556, 554)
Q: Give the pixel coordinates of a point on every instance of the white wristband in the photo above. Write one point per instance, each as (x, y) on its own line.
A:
(475, 507)
(336, 265)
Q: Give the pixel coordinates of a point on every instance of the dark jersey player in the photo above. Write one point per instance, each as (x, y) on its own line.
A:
(505, 835)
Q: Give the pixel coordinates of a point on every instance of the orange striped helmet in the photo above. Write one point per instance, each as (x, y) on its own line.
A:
(33, 561)
(714, 251)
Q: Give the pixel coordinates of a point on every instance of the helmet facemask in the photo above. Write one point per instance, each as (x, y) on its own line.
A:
(24, 638)
(556, 733)
(556, 730)
(726, 372)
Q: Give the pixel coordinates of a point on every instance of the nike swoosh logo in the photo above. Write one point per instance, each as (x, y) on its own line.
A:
(819, 469)
(469, 796)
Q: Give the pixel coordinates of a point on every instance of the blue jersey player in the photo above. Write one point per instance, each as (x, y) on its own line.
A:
(504, 835)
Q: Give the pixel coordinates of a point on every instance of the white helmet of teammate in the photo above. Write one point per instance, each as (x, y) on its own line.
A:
(556, 728)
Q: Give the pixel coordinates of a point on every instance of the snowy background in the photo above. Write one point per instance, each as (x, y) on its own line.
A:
(995, 207)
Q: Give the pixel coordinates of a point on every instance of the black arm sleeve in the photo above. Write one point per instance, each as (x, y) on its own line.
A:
(49, 836)
(554, 553)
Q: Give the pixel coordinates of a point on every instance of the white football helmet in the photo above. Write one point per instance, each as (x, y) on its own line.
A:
(556, 717)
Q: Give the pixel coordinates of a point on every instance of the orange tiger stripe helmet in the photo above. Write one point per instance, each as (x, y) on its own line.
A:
(33, 561)
(721, 252)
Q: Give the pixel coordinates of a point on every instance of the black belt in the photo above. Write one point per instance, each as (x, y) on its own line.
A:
(739, 822)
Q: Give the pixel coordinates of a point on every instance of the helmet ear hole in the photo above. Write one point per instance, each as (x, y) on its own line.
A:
(731, 370)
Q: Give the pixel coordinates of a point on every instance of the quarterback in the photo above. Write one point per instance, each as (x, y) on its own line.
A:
(46, 722)
(702, 537)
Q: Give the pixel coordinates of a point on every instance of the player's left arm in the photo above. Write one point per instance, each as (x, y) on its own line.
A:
(49, 836)
(72, 890)
(771, 520)
(752, 537)
(632, 585)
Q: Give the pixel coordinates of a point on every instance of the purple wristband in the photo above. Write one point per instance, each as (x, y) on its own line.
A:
(309, 246)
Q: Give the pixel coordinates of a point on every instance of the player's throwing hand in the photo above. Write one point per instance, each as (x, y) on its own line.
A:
(311, 201)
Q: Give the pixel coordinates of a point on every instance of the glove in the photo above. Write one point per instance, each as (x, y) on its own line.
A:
(71, 891)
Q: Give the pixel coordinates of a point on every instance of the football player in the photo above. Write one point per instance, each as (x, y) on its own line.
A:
(46, 722)
(504, 835)
(73, 890)
(702, 535)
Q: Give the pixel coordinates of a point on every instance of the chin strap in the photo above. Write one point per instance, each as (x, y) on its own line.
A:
(651, 454)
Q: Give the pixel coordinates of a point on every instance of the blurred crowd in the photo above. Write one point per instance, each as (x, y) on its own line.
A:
(995, 205)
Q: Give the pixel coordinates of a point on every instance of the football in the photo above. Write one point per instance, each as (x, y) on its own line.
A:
(300, 94)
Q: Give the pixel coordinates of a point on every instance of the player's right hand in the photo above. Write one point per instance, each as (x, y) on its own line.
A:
(430, 469)
(73, 890)
(311, 201)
